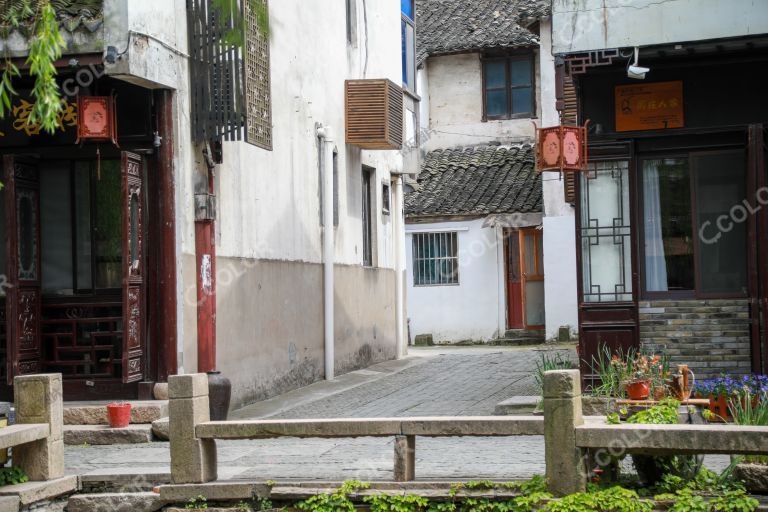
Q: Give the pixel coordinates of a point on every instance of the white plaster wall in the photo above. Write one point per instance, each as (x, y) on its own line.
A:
(470, 310)
(269, 200)
(560, 290)
(593, 24)
(454, 86)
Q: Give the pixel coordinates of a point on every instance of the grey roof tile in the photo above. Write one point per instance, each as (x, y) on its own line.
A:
(450, 26)
(478, 180)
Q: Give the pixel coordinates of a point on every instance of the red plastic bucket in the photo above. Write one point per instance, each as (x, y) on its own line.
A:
(119, 415)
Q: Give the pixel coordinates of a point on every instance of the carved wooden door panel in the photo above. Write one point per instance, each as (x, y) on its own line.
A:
(22, 213)
(134, 271)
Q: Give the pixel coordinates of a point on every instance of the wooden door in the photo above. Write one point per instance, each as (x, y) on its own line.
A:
(757, 157)
(22, 214)
(532, 263)
(515, 306)
(134, 336)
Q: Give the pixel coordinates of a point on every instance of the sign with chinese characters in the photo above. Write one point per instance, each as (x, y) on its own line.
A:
(649, 106)
(561, 148)
(96, 120)
(17, 118)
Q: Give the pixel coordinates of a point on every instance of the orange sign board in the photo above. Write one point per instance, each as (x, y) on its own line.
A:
(653, 106)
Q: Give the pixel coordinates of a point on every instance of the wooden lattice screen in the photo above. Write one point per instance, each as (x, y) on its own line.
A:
(230, 86)
(258, 97)
(569, 115)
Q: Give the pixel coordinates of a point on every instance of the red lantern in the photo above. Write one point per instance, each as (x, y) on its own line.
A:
(561, 148)
(96, 119)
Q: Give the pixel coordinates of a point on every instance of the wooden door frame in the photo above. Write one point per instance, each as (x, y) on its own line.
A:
(507, 234)
(538, 238)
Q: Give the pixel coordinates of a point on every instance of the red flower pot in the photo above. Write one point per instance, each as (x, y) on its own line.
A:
(639, 390)
(119, 415)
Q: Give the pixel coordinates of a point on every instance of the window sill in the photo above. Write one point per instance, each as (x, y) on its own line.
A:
(512, 118)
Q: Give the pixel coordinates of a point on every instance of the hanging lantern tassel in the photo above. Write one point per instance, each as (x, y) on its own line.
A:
(98, 162)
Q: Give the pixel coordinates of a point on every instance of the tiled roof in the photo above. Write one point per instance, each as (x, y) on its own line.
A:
(72, 14)
(478, 180)
(448, 26)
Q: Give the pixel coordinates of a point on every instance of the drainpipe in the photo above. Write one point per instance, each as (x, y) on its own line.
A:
(325, 134)
(397, 200)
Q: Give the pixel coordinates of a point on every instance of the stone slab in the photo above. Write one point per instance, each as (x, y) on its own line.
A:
(516, 405)
(161, 429)
(754, 476)
(22, 434)
(131, 479)
(96, 414)
(213, 491)
(10, 504)
(265, 429)
(681, 439)
(473, 426)
(117, 502)
(188, 386)
(103, 435)
(31, 492)
(562, 384)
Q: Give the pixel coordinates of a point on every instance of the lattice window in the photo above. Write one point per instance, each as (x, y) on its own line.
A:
(258, 97)
(435, 259)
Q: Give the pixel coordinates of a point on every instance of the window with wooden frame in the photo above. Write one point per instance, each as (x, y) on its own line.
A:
(435, 259)
(509, 90)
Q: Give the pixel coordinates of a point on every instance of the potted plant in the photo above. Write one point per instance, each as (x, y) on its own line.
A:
(751, 410)
(639, 385)
(722, 389)
(119, 414)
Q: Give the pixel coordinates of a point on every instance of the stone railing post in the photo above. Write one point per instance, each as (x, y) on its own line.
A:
(193, 460)
(405, 458)
(39, 399)
(566, 467)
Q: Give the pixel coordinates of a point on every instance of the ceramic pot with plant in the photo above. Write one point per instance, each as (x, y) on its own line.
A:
(639, 389)
(119, 414)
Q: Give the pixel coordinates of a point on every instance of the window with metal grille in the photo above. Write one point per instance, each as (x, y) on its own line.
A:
(435, 259)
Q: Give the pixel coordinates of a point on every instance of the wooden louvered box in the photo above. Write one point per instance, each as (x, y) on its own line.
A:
(374, 114)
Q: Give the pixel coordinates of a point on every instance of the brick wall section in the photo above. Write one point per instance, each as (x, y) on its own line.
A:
(712, 336)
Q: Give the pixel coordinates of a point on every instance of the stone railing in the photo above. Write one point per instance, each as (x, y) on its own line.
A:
(192, 435)
(37, 438)
(568, 435)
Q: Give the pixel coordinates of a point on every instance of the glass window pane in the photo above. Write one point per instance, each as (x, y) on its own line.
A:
(605, 233)
(720, 186)
(522, 100)
(534, 303)
(56, 228)
(409, 55)
(529, 253)
(108, 230)
(496, 103)
(407, 7)
(83, 225)
(667, 225)
(495, 75)
(520, 72)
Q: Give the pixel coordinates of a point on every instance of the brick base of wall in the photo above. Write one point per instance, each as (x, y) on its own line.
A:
(711, 336)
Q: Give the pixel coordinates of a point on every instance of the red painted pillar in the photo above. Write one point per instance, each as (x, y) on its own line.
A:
(205, 250)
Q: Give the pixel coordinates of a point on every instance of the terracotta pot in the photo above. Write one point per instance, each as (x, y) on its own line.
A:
(658, 393)
(219, 394)
(639, 390)
(119, 415)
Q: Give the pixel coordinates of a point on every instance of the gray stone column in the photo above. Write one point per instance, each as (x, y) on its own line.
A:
(39, 399)
(405, 458)
(193, 460)
(566, 465)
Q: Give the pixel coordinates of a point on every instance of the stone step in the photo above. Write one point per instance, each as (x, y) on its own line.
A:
(693, 303)
(123, 502)
(32, 492)
(518, 342)
(104, 435)
(95, 413)
(516, 405)
(130, 479)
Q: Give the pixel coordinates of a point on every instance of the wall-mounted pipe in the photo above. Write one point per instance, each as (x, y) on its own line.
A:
(325, 134)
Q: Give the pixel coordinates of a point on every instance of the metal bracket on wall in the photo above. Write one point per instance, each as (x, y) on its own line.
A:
(205, 207)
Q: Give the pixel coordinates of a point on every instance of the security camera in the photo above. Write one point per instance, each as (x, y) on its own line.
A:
(637, 72)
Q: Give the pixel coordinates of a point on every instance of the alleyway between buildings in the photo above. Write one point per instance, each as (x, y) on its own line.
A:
(431, 381)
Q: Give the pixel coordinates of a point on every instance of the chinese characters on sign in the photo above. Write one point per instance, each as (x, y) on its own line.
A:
(20, 118)
(652, 106)
(561, 148)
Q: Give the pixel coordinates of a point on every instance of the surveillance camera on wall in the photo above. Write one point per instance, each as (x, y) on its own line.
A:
(637, 72)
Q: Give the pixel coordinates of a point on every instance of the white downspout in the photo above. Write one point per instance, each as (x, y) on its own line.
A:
(397, 189)
(325, 133)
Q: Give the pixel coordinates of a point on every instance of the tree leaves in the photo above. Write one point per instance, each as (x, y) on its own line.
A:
(45, 49)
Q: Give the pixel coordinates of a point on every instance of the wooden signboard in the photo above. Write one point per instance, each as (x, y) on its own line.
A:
(652, 106)
(561, 148)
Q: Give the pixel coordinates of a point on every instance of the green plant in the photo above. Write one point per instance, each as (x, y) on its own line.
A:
(734, 501)
(686, 500)
(614, 499)
(665, 413)
(335, 502)
(396, 503)
(197, 503)
(13, 476)
(749, 409)
(547, 362)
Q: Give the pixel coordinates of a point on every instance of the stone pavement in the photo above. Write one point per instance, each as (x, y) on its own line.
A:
(432, 381)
